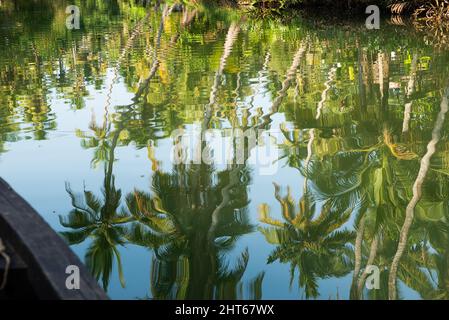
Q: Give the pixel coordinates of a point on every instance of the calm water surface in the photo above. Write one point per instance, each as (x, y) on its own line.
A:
(347, 120)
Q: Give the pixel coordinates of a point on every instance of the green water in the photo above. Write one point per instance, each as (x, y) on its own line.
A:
(347, 121)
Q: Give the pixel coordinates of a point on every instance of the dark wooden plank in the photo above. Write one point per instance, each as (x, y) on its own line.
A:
(43, 251)
(18, 286)
(16, 261)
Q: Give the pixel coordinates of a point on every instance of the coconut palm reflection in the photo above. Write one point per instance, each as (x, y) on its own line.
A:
(193, 219)
(99, 219)
(358, 138)
(376, 179)
(313, 243)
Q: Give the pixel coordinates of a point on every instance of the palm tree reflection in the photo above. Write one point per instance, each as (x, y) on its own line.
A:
(314, 244)
(99, 219)
(193, 219)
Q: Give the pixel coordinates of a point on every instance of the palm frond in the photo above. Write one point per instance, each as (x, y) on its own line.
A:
(77, 219)
(77, 236)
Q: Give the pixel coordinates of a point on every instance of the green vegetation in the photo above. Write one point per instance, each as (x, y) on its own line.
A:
(356, 112)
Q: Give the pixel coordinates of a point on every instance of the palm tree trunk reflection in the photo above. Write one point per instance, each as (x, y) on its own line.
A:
(231, 37)
(410, 89)
(417, 192)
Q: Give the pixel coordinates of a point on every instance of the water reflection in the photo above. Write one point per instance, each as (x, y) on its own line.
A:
(310, 242)
(100, 219)
(195, 216)
(362, 133)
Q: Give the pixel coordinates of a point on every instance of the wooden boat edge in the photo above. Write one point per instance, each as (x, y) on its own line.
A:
(45, 253)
